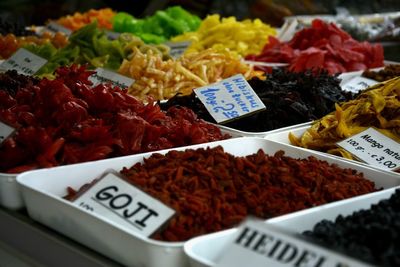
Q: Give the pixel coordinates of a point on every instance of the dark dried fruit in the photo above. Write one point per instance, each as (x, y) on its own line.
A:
(290, 98)
(371, 235)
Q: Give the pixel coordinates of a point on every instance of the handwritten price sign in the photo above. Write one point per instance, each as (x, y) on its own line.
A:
(229, 99)
(374, 148)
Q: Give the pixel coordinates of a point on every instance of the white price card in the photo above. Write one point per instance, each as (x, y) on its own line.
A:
(229, 99)
(24, 62)
(177, 49)
(107, 76)
(54, 27)
(125, 205)
(374, 148)
(258, 244)
(5, 131)
(357, 84)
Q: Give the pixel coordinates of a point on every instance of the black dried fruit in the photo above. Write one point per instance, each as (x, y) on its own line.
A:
(371, 235)
(290, 98)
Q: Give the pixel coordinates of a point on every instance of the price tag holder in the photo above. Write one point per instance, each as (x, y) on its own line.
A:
(229, 99)
(177, 49)
(24, 62)
(124, 204)
(54, 27)
(374, 148)
(5, 131)
(357, 84)
(107, 76)
(258, 244)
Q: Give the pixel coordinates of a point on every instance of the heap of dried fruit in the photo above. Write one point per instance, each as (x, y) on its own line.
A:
(323, 45)
(66, 120)
(290, 98)
(241, 37)
(377, 107)
(371, 235)
(78, 20)
(211, 190)
(162, 79)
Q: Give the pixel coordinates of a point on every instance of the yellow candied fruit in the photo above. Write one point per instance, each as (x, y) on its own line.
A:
(241, 37)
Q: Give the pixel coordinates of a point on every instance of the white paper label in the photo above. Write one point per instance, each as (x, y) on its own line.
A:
(177, 49)
(24, 62)
(374, 148)
(357, 84)
(5, 131)
(124, 204)
(55, 27)
(258, 244)
(107, 76)
(229, 99)
(112, 35)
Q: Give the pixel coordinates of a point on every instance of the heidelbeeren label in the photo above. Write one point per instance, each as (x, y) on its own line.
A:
(106, 76)
(124, 204)
(357, 84)
(258, 244)
(177, 49)
(24, 62)
(374, 148)
(5, 131)
(229, 99)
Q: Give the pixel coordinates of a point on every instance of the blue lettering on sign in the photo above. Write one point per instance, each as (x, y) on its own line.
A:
(253, 103)
(229, 87)
(210, 96)
(227, 107)
(230, 114)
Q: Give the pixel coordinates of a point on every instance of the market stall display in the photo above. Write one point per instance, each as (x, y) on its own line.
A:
(117, 96)
(242, 37)
(44, 199)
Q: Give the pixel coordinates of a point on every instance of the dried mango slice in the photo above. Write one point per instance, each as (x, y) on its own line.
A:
(378, 107)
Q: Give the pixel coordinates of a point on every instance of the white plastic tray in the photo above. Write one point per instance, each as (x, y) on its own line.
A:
(204, 250)
(10, 195)
(43, 190)
(283, 136)
(298, 131)
(236, 133)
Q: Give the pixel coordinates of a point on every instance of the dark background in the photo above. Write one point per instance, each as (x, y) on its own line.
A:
(271, 11)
